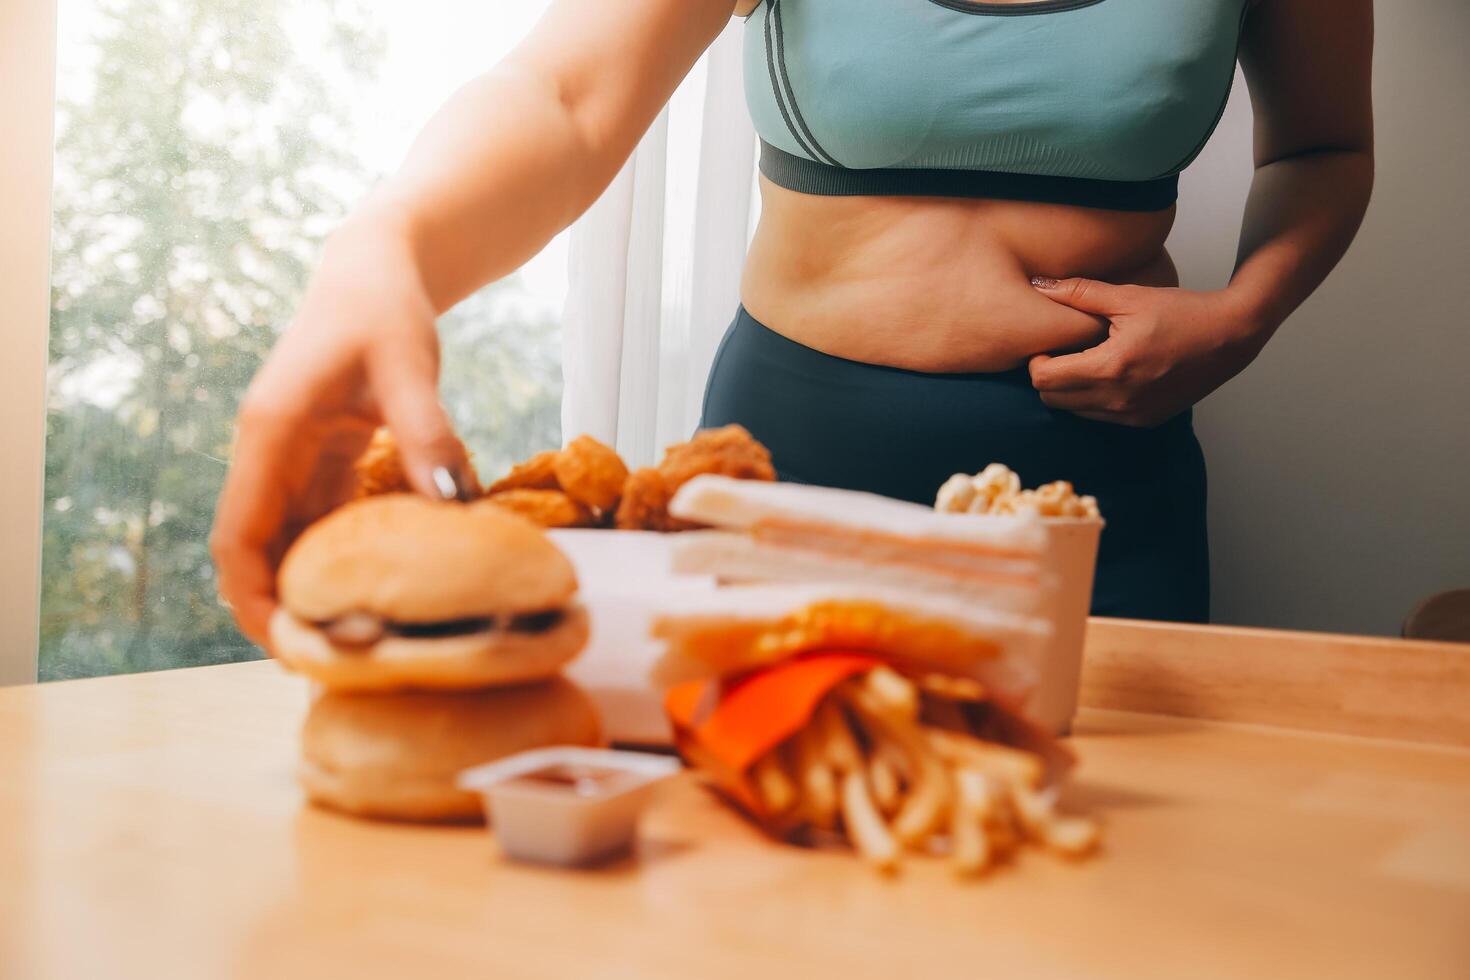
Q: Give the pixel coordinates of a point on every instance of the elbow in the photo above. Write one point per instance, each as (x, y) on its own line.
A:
(1349, 166)
(1360, 167)
(591, 149)
(1358, 155)
(559, 108)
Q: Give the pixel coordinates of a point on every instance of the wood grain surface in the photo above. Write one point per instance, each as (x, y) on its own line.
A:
(149, 827)
(1409, 690)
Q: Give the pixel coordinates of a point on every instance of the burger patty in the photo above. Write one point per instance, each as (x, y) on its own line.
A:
(537, 622)
(365, 629)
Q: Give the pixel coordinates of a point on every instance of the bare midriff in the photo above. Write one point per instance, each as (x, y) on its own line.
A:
(939, 284)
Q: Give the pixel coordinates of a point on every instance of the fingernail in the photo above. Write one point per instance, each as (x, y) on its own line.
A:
(1043, 282)
(445, 483)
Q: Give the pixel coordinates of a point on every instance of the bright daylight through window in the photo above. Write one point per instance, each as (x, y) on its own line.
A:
(204, 149)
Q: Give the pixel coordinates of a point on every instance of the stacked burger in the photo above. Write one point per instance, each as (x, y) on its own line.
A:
(438, 631)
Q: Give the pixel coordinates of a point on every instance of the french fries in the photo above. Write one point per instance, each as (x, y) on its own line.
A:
(867, 763)
(838, 745)
(777, 791)
(969, 843)
(818, 779)
(865, 825)
(884, 777)
(1001, 761)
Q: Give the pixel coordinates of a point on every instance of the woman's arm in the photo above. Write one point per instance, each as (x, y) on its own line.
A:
(520, 152)
(1309, 66)
(512, 159)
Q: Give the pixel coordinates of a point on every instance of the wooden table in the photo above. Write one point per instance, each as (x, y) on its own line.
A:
(149, 827)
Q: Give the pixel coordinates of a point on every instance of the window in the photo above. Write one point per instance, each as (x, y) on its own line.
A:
(203, 150)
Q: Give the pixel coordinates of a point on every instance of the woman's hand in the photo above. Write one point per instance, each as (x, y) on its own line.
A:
(362, 351)
(1166, 349)
(511, 159)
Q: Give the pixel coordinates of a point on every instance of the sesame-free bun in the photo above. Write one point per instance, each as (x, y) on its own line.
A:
(395, 756)
(488, 658)
(409, 559)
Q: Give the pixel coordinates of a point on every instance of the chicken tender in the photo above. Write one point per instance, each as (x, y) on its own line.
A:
(645, 502)
(591, 473)
(380, 468)
(536, 473)
(729, 451)
(549, 508)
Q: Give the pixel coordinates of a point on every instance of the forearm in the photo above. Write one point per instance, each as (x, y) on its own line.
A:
(498, 171)
(519, 153)
(1300, 217)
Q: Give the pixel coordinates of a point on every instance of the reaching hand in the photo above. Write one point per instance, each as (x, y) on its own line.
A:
(362, 352)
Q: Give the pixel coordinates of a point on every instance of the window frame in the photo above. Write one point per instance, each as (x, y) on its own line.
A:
(28, 114)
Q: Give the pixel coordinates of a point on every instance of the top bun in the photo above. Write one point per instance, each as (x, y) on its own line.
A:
(410, 559)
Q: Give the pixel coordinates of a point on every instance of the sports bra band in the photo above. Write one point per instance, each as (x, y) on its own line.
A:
(810, 177)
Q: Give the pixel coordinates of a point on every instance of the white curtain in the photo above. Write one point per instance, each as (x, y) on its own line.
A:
(654, 267)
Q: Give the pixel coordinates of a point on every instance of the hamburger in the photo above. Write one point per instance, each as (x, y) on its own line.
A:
(395, 756)
(400, 592)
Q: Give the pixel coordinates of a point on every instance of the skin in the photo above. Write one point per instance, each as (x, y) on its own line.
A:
(1086, 298)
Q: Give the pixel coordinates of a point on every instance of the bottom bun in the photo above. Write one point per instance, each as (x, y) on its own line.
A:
(396, 756)
(482, 659)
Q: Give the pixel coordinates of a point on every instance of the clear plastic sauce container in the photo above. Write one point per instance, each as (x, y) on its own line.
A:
(569, 805)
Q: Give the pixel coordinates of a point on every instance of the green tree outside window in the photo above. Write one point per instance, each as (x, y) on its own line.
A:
(199, 166)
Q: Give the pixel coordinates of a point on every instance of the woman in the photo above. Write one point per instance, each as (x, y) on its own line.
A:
(960, 256)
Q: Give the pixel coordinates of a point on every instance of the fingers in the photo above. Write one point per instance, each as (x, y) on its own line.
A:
(1074, 391)
(1084, 400)
(249, 517)
(284, 473)
(1088, 295)
(247, 584)
(405, 379)
(1074, 372)
(1098, 406)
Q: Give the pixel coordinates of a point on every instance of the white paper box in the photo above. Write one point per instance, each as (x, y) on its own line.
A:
(1072, 560)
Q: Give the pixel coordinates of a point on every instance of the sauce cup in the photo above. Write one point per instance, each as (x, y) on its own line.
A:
(567, 805)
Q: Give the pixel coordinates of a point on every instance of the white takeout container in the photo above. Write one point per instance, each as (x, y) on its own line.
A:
(561, 824)
(625, 577)
(1072, 561)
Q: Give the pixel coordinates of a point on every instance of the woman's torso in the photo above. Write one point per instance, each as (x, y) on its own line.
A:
(941, 283)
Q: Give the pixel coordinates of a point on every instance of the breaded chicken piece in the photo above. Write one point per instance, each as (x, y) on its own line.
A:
(380, 468)
(536, 473)
(591, 473)
(729, 451)
(645, 502)
(549, 508)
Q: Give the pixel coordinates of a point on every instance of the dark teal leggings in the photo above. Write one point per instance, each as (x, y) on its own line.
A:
(900, 433)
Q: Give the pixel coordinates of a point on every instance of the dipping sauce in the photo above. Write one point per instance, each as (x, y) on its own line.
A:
(567, 805)
(579, 780)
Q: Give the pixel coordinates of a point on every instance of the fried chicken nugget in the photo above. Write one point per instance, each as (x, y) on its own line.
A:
(536, 473)
(729, 451)
(645, 502)
(549, 508)
(591, 473)
(380, 468)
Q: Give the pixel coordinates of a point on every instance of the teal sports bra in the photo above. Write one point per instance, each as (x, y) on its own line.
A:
(1097, 103)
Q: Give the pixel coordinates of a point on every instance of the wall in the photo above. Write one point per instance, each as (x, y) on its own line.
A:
(1340, 461)
(27, 29)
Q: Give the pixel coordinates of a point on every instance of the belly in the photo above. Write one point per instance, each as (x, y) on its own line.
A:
(939, 284)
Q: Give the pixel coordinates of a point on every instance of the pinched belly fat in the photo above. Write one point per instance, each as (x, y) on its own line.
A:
(940, 285)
